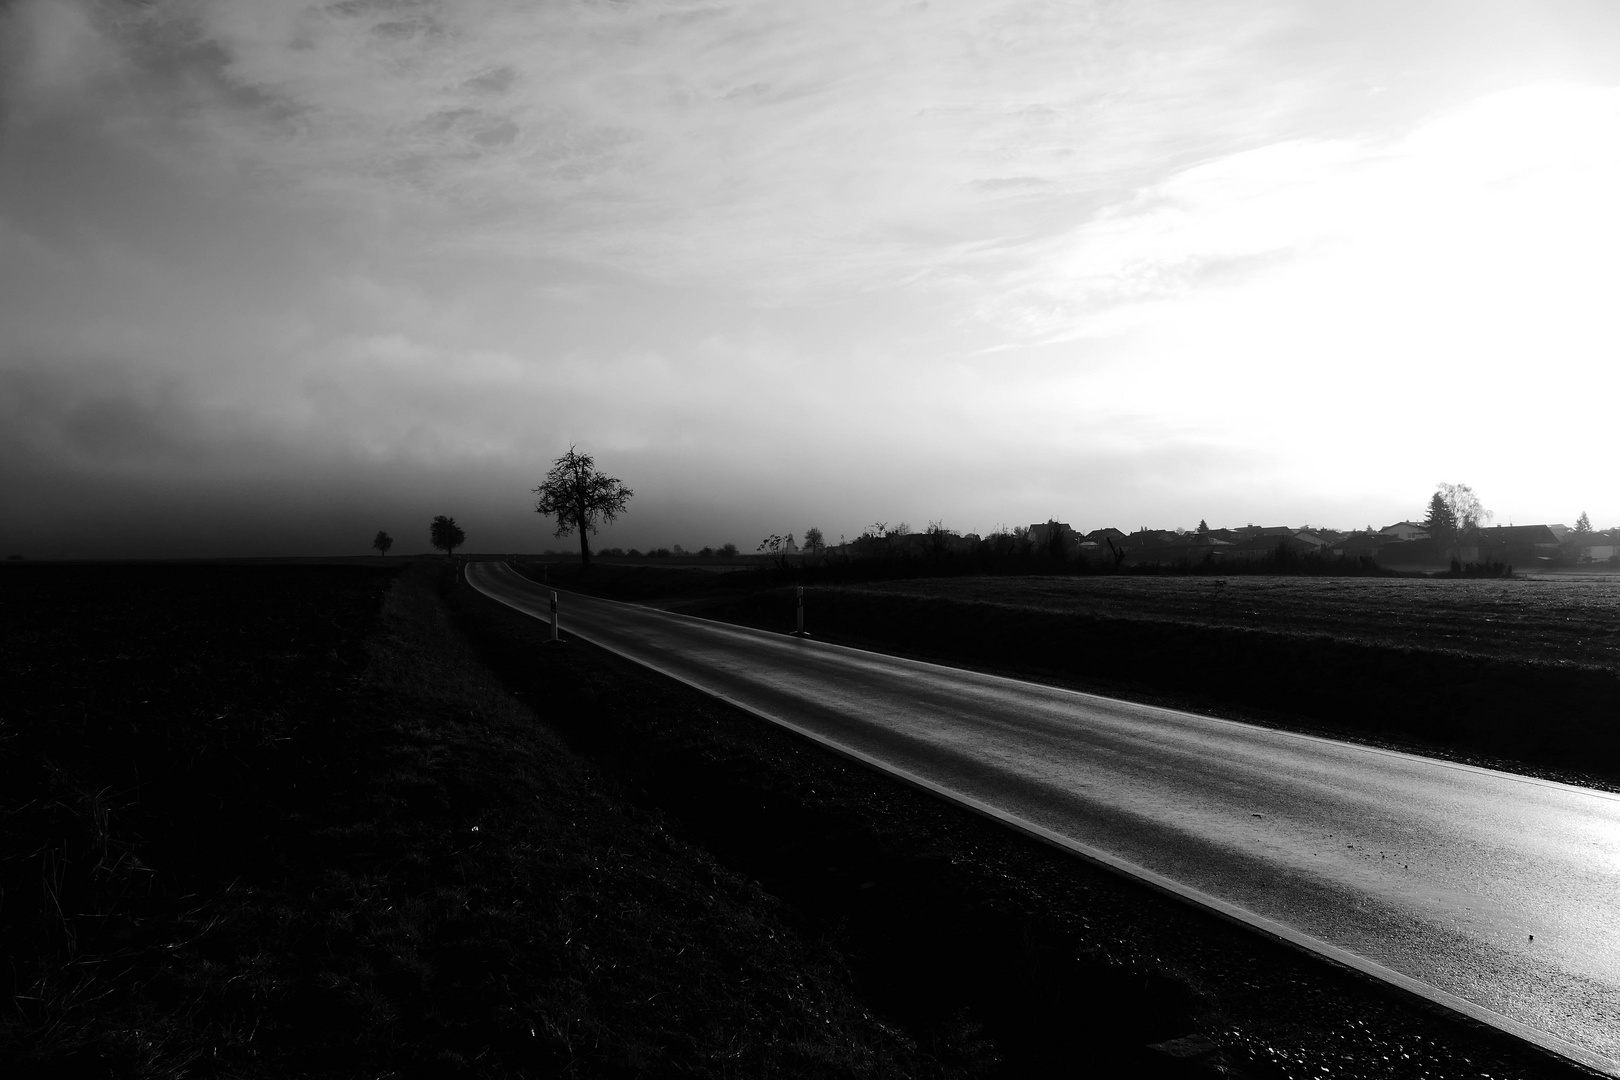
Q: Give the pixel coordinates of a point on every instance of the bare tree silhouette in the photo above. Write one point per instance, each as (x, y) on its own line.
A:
(579, 496)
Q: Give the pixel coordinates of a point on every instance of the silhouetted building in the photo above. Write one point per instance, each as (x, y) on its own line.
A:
(1040, 536)
(1517, 544)
(1404, 530)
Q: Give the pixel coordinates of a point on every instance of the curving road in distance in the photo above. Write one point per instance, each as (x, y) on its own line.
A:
(1495, 895)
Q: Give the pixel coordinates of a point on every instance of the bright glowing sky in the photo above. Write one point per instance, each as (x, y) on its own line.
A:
(275, 275)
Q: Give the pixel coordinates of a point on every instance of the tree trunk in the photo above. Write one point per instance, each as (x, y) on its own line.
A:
(584, 550)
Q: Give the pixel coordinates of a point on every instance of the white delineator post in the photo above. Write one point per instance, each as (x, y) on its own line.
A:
(799, 630)
(553, 615)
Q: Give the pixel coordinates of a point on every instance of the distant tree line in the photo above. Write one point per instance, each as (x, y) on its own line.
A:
(675, 551)
(885, 552)
(580, 497)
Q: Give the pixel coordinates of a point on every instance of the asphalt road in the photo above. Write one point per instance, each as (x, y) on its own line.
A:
(1493, 894)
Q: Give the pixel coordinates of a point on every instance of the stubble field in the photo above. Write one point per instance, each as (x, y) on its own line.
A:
(1552, 619)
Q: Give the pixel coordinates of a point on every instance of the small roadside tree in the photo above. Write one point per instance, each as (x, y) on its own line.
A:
(579, 496)
(777, 548)
(814, 542)
(382, 542)
(446, 534)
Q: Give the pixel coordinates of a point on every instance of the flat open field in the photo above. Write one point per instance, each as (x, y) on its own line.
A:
(1549, 619)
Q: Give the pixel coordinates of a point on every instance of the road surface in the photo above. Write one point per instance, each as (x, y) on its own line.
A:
(1493, 894)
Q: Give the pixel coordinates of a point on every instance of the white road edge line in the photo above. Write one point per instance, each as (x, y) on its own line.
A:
(1239, 915)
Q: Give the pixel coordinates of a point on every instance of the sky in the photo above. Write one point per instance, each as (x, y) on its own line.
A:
(275, 275)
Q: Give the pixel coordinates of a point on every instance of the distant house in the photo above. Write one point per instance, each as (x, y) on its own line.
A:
(1151, 538)
(1266, 543)
(1359, 545)
(1040, 536)
(1205, 540)
(1186, 548)
(1404, 530)
(1518, 543)
(1276, 534)
(1535, 535)
(1598, 547)
(1103, 542)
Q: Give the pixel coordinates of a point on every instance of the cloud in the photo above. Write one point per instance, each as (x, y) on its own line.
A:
(82, 417)
(766, 148)
(52, 57)
(1045, 160)
(1505, 200)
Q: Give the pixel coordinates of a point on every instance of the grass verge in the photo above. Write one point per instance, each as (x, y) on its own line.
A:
(277, 821)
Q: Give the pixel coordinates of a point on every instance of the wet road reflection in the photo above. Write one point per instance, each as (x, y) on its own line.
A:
(1495, 894)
